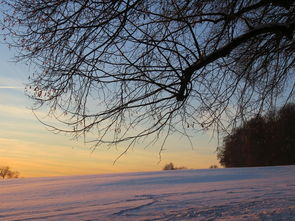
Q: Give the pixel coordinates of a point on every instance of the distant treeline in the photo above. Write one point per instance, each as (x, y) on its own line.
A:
(262, 141)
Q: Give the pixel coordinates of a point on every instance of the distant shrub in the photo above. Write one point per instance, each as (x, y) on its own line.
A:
(213, 166)
(170, 166)
(7, 173)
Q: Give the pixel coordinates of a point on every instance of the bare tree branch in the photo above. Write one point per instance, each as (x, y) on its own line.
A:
(121, 71)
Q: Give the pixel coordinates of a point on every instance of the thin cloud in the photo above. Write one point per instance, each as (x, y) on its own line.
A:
(10, 87)
(10, 83)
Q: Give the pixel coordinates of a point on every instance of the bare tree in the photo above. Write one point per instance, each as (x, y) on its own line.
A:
(7, 173)
(170, 166)
(127, 69)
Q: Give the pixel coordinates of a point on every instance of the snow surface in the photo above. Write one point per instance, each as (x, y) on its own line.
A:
(261, 193)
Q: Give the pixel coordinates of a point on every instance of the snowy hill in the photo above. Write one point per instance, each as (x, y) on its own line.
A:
(262, 193)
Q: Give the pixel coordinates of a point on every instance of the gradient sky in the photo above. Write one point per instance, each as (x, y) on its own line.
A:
(28, 147)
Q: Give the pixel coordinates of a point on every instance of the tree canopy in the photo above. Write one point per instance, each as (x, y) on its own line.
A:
(261, 141)
(127, 69)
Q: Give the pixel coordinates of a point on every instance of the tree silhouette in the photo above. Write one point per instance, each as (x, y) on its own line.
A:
(261, 141)
(128, 69)
(170, 166)
(7, 173)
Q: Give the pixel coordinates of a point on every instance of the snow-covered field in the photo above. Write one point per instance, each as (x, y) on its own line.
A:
(262, 193)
